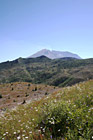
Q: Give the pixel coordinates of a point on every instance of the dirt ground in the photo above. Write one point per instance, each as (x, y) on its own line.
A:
(14, 94)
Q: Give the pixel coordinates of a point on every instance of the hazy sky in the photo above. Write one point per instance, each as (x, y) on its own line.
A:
(26, 26)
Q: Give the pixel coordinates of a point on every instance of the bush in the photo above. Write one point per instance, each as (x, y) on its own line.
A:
(14, 100)
(35, 89)
(71, 121)
(12, 89)
(26, 95)
(1, 96)
(55, 119)
(46, 93)
(28, 85)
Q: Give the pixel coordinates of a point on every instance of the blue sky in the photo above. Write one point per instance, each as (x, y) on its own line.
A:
(27, 26)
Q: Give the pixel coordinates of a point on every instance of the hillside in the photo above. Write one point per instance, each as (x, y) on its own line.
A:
(14, 94)
(63, 115)
(57, 72)
(55, 54)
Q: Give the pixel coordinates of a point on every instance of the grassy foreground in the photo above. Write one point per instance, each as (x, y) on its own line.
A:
(64, 115)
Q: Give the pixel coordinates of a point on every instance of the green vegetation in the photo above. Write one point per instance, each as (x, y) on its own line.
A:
(57, 72)
(63, 115)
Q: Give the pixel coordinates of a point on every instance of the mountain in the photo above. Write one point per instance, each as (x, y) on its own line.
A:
(57, 72)
(54, 54)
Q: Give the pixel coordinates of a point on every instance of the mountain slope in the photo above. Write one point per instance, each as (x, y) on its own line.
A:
(13, 94)
(64, 115)
(54, 54)
(57, 72)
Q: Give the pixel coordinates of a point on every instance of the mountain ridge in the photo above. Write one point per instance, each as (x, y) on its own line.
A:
(53, 54)
(57, 72)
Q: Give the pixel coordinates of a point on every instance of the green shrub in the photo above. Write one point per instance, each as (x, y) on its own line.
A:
(72, 121)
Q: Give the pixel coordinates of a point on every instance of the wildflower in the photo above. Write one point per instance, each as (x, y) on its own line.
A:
(55, 101)
(52, 122)
(43, 129)
(49, 121)
(70, 113)
(26, 137)
(30, 132)
(4, 134)
(18, 138)
(51, 137)
(18, 131)
(24, 131)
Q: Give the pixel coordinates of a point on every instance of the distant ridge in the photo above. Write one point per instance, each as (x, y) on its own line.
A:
(42, 70)
(54, 54)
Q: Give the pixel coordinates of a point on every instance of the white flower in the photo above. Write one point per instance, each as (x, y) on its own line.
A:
(52, 122)
(26, 137)
(30, 132)
(18, 138)
(43, 129)
(4, 134)
(18, 131)
(14, 132)
(55, 101)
